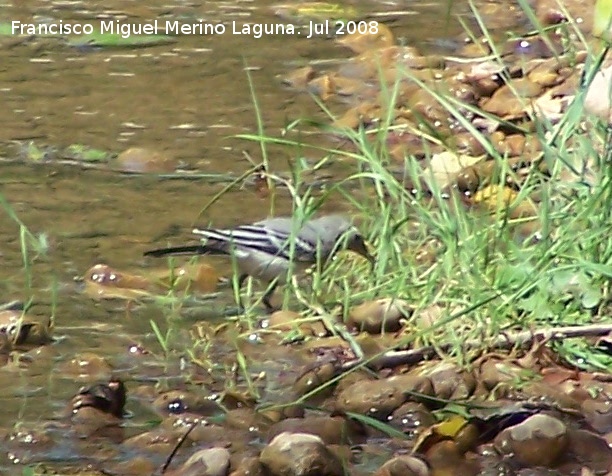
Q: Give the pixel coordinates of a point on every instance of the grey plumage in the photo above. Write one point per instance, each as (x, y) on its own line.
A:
(266, 249)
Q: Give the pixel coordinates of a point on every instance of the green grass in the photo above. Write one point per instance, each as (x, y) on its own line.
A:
(32, 247)
(488, 276)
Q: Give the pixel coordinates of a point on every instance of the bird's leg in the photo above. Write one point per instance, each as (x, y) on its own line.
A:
(266, 299)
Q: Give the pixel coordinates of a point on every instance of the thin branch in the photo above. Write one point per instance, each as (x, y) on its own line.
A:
(393, 358)
(178, 445)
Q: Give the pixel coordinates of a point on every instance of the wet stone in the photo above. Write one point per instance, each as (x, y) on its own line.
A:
(379, 398)
(493, 372)
(352, 378)
(538, 441)
(513, 146)
(545, 74)
(324, 86)
(87, 366)
(246, 419)
(446, 457)
(208, 462)
(157, 441)
(411, 419)
(450, 382)
(590, 449)
(313, 378)
(134, 467)
(598, 414)
(300, 454)
(380, 37)
(403, 466)
(104, 282)
(331, 430)
(106, 397)
(285, 321)
(200, 278)
(140, 160)
(299, 78)
(249, 467)
(551, 12)
(288, 411)
(382, 315)
(221, 436)
(18, 328)
(504, 103)
(176, 402)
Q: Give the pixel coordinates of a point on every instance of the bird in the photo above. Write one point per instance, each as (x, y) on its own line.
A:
(266, 249)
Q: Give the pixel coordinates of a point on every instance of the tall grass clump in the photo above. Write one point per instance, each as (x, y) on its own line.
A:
(489, 271)
(31, 247)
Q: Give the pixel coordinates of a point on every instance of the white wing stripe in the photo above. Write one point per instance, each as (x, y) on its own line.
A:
(269, 240)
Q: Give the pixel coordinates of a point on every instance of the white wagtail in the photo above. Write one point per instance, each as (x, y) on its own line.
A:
(266, 249)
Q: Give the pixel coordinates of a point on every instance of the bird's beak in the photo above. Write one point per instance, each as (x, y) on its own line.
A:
(359, 246)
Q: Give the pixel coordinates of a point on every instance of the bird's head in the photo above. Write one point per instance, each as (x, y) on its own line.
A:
(356, 243)
(347, 236)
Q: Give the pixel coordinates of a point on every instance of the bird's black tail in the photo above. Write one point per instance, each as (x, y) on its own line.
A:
(184, 250)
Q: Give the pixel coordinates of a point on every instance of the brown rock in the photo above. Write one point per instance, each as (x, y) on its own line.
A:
(300, 454)
(552, 12)
(108, 398)
(285, 320)
(446, 457)
(514, 145)
(382, 37)
(379, 398)
(493, 372)
(200, 277)
(403, 466)
(141, 160)
(159, 440)
(208, 462)
(19, 328)
(299, 78)
(382, 315)
(175, 402)
(598, 414)
(104, 282)
(450, 382)
(87, 366)
(335, 430)
(246, 419)
(411, 419)
(590, 449)
(538, 441)
(249, 467)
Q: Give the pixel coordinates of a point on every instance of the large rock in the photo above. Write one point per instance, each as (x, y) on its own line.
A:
(300, 454)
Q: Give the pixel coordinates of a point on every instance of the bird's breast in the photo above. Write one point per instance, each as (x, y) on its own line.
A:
(265, 267)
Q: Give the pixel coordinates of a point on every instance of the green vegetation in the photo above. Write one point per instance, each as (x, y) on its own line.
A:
(491, 273)
(471, 267)
(482, 271)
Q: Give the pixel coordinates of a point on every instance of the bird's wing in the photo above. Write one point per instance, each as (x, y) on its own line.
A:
(282, 233)
(269, 236)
